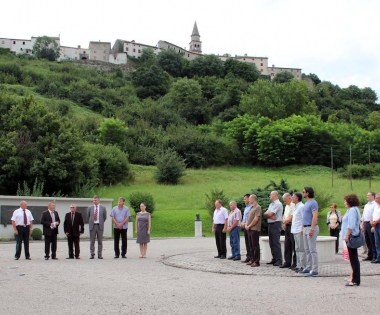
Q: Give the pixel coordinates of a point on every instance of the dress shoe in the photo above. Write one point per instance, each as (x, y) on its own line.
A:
(69, 257)
(277, 264)
(46, 258)
(255, 265)
(284, 266)
(249, 263)
(293, 266)
(55, 258)
(271, 262)
(123, 256)
(217, 256)
(28, 258)
(116, 257)
(245, 260)
(368, 258)
(375, 261)
(100, 257)
(222, 257)
(92, 257)
(231, 257)
(236, 259)
(77, 257)
(16, 258)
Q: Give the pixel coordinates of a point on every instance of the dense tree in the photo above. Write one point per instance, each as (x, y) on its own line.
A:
(46, 47)
(278, 100)
(209, 65)
(283, 77)
(171, 62)
(112, 132)
(244, 70)
(150, 82)
(185, 97)
(40, 145)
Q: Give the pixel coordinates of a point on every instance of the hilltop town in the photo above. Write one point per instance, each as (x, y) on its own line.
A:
(119, 52)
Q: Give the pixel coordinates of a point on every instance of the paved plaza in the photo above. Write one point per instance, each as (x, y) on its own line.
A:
(179, 276)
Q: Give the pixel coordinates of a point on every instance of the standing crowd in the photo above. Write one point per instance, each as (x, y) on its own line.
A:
(299, 221)
(73, 226)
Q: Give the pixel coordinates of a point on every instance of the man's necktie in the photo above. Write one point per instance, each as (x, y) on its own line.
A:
(25, 219)
(72, 218)
(96, 214)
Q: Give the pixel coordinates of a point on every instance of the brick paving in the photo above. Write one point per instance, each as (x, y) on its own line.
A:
(204, 261)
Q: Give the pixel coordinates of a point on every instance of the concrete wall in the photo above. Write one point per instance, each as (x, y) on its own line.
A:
(297, 72)
(62, 205)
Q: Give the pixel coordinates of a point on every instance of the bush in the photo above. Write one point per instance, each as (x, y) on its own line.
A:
(170, 167)
(136, 198)
(359, 171)
(212, 197)
(113, 165)
(323, 199)
(37, 234)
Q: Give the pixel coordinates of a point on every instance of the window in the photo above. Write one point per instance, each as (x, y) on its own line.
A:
(126, 49)
(261, 70)
(134, 50)
(23, 43)
(14, 42)
(94, 51)
(2, 42)
(272, 74)
(243, 58)
(261, 64)
(139, 51)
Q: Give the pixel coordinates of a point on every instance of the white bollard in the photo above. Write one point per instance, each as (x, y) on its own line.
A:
(198, 226)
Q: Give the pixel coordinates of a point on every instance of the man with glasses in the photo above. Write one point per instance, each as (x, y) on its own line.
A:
(73, 227)
(310, 232)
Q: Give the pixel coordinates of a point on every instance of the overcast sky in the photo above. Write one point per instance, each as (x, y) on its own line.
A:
(336, 39)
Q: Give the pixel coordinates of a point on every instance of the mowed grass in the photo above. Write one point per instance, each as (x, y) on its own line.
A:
(176, 206)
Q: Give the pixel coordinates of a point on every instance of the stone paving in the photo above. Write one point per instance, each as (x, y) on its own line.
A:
(203, 261)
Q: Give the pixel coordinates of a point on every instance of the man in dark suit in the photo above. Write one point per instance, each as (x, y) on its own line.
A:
(73, 227)
(96, 215)
(50, 221)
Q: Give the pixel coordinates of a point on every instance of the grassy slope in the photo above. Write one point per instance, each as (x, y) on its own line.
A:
(176, 206)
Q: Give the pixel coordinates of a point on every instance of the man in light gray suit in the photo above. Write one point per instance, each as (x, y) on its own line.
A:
(96, 216)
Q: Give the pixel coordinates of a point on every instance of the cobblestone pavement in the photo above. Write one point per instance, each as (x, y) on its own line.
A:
(203, 261)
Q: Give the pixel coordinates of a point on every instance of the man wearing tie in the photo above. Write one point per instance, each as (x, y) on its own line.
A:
(22, 222)
(96, 216)
(50, 221)
(73, 227)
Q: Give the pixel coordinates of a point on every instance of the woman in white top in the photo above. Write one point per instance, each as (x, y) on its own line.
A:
(334, 221)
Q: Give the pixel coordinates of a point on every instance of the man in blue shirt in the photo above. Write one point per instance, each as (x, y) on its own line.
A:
(120, 217)
(310, 232)
(248, 207)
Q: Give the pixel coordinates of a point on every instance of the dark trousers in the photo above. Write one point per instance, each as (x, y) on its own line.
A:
(355, 264)
(247, 245)
(290, 248)
(370, 240)
(116, 234)
(274, 233)
(335, 232)
(23, 236)
(254, 237)
(220, 240)
(52, 239)
(73, 240)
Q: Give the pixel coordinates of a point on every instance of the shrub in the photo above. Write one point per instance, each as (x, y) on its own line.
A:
(136, 198)
(170, 167)
(212, 197)
(323, 198)
(359, 170)
(37, 234)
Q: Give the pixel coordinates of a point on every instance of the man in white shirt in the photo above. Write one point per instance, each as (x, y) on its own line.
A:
(219, 227)
(296, 230)
(375, 222)
(22, 222)
(366, 226)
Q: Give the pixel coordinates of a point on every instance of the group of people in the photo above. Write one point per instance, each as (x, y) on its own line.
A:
(300, 223)
(73, 226)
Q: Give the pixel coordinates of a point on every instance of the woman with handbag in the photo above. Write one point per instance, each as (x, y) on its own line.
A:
(333, 220)
(352, 236)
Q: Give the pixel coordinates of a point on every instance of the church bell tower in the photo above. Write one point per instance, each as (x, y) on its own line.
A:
(195, 44)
